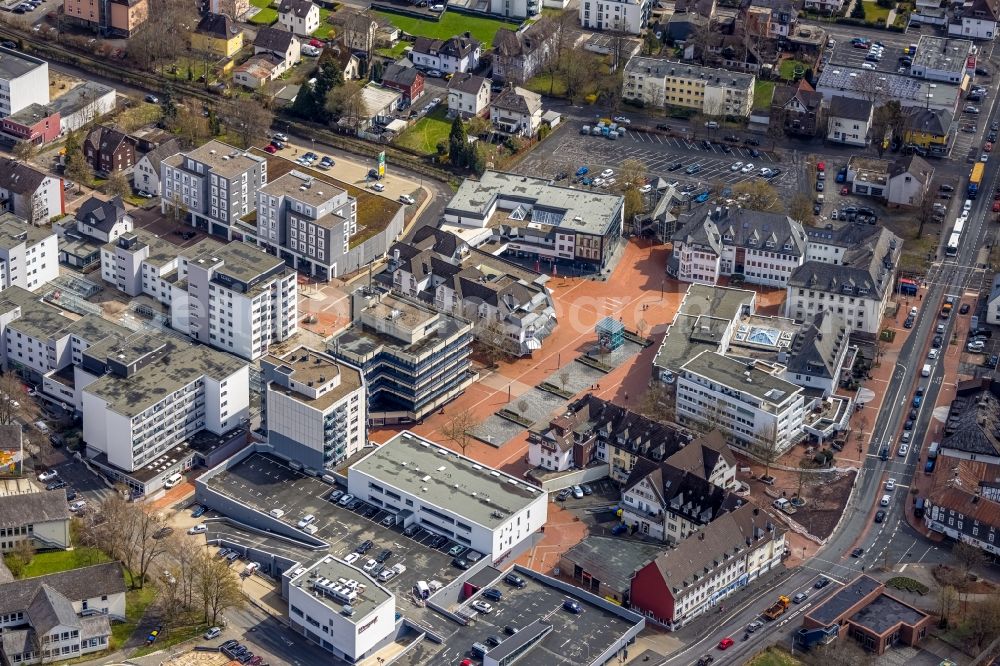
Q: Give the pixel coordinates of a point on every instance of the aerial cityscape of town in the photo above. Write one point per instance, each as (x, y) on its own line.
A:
(499, 332)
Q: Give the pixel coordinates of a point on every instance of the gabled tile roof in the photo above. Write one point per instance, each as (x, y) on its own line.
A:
(467, 83)
(869, 254)
(850, 108)
(102, 215)
(300, 8)
(401, 76)
(273, 39)
(18, 177)
(33, 508)
(518, 100)
(75, 584)
(817, 346)
(218, 26)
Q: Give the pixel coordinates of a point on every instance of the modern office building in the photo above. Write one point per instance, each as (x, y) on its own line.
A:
(748, 401)
(414, 360)
(341, 608)
(24, 80)
(153, 393)
(479, 507)
(658, 83)
(314, 408)
(215, 184)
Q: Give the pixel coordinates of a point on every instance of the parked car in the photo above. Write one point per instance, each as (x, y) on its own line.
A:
(821, 583)
(482, 606)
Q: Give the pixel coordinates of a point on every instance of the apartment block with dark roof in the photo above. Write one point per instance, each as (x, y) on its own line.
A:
(456, 54)
(519, 55)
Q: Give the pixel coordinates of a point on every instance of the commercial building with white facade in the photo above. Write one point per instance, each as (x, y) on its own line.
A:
(314, 408)
(24, 80)
(153, 393)
(485, 509)
(658, 82)
(338, 607)
(29, 255)
(630, 16)
(943, 59)
(762, 248)
(216, 184)
(748, 401)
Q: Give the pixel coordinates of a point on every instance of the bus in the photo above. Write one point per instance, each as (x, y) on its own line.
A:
(952, 248)
(959, 225)
(975, 179)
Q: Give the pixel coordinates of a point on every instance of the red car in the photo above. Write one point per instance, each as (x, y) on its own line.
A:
(821, 166)
(269, 148)
(996, 206)
(315, 42)
(726, 643)
(844, 191)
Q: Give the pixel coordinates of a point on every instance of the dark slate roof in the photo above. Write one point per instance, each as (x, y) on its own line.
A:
(75, 584)
(973, 424)
(19, 641)
(101, 215)
(33, 508)
(442, 242)
(848, 107)
(511, 43)
(869, 254)
(18, 177)
(914, 165)
(740, 227)
(272, 39)
(803, 92)
(219, 26)
(10, 437)
(517, 99)
(611, 559)
(106, 139)
(49, 609)
(703, 454)
(467, 83)
(402, 76)
(817, 345)
(684, 493)
(931, 121)
(165, 149)
(300, 8)
(455, 47)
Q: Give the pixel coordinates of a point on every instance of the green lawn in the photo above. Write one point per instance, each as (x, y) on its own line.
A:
(774, 656)
(266, 16)
(451, 24)
(63, 560)
(787, 70)
(875, 13)
(136, 602)
(763, 91)
(395, 52)
(325, 30)
(427, 132)
(541, 85)
(261, 4)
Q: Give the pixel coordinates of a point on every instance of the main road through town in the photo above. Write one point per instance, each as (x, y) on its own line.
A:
(891, 542)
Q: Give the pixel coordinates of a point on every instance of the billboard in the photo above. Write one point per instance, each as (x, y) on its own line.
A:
(381, 164)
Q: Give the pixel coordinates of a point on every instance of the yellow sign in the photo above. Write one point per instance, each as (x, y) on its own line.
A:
(381, 164)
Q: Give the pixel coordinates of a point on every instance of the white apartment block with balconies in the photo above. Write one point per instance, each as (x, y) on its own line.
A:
(215, 184)
(748, 402)
(658, 83)
(630, 16)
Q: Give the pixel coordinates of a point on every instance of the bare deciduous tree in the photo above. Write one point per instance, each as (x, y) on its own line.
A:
(118, 185)
(800, 208)
(457, 429)
(24, 150)
(250, 120)
(757, 195)
(218, 586)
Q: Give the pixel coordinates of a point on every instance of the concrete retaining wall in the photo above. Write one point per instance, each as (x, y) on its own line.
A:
(575, 478)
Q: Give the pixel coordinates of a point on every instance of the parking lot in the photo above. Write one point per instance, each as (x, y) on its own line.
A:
(667, 157)
(847, 55)
(575, 638)
(265, 484)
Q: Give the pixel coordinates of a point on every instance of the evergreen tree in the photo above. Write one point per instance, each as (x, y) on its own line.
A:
(458, 144)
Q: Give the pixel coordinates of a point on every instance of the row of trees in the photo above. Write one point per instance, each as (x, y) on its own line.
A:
(134, 534)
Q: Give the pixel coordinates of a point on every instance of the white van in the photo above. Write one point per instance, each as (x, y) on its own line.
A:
(173, 480)
(423, 590)
(926, 370)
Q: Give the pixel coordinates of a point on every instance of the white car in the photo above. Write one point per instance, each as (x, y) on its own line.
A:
(868, 66)
(345, 500)
(276, 513)
(967, 205)
(351, 557)
(932, 354)
(437, 8)
(407, 199)
(748, 168)
(198, 529)
(378, 187)
(597, 182)
(736, 166)
(976, 346)
(607, 173)
(482, 606)
(306, 520)
(77, 505)
(48, 475)
(622, 120)
(765, 172)
(890, 484)
(985, 157)
(310, 529)
(646, 188)
(214, 632)
(370, 565)
(903, 450)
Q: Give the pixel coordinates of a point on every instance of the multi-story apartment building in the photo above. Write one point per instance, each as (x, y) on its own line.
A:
(111, 18)
(314, 408)
(849, 272)
(471, 503)
(658, 83)
(975, 20)
(748, 401)
(670, 504)
(108, 150)
(519, 55)
(414, 360)
(308, 223)
(59, 616)
(849, 120)
(704, 570)
(762, 248)
(515, 9)
(299, 17)
(628, 16)
(29, 193)
(233, 297)
(964, 514)
(452, 55)
(531, 217)
(29, 255)
(215, 184)
(41, 518)
(150, 394)
(24, 80)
